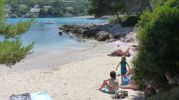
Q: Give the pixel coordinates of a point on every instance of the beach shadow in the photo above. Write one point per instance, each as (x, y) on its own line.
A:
(139, 96)
(111, 55)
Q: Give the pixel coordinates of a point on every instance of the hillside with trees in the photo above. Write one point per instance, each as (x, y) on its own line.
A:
(50, 8)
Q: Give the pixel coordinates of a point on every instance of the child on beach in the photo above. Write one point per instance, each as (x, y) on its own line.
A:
(123, 65)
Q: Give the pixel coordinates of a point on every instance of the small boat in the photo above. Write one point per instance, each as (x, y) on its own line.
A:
(50, 22)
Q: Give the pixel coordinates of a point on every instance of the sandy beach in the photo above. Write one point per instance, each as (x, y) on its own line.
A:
(72, 76)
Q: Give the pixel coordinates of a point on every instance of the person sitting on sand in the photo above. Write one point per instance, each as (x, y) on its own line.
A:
(123, 65)
(132, 85)
(111, 84)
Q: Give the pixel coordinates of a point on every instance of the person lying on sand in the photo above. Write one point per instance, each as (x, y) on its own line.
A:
(119, 52)
(126, 53)
(111, 84)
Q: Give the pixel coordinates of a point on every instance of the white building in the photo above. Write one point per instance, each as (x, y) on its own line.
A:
(35, 11)
(46, 7)
(7, 10)
(23, 6)
(69, 1)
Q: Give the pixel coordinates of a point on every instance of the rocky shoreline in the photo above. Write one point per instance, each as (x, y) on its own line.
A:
(106, 32)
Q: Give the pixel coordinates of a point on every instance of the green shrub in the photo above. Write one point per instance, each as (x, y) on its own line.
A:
(130, 21)
(115, 20)
(10, 31)
(170, 95)
(13, 51)
(125, 21)
(158, 44)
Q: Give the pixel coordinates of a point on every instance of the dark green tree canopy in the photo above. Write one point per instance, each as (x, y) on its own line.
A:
(158, 42)
(106, 7)
(59, 7)
(100, 7)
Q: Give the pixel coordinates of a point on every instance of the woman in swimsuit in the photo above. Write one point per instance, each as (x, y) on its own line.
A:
(111, 84)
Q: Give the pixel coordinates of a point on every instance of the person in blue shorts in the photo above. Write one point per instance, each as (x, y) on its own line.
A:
(123, 63)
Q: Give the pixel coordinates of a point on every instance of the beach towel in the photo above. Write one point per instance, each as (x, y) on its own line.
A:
(40, 96)
(31, 96)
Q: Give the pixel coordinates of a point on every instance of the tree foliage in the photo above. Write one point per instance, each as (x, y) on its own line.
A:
(42, 13)
(158, 43)
(99, 7)
(11, 31)
(169, 95)
(58, 8)
(1, 11)
(104, 7)
(11, 49)
(20, 11)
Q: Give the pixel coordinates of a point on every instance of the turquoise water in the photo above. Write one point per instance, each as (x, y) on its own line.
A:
(46, 35)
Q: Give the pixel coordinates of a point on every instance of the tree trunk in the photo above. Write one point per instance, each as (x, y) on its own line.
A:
(118, 17)
(127, 7)
(149, 5)
(138, 7)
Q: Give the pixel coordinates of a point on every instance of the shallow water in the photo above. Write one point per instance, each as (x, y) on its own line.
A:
(46, 36)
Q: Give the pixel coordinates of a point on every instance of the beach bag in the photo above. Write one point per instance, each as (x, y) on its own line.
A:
(120, 94)
(25, 96)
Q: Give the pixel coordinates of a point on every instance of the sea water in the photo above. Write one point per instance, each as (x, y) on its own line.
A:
(46, 36)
